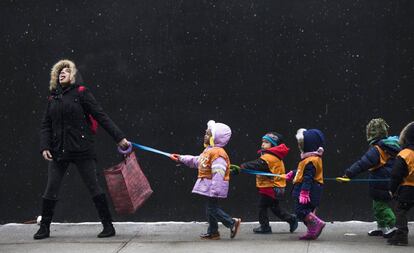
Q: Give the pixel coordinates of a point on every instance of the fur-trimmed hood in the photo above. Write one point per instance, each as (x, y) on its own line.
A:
(54, 73)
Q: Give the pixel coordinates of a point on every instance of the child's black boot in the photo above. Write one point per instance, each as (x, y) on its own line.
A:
(399, 238)
(263, 230)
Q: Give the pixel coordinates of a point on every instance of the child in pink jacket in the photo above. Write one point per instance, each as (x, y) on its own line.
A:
(213, 178)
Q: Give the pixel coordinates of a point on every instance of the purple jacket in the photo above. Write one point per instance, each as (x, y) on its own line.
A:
(216, 187)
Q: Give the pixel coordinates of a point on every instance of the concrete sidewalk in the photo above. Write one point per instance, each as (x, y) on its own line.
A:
(183, 237)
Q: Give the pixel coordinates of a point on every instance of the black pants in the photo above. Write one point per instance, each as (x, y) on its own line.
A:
(274, 205)
(57, 170)
(401, 215)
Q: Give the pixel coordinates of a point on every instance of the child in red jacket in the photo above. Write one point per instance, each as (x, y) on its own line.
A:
(271, 189)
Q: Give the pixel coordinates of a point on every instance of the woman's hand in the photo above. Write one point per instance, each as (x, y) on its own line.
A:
(124, 147)
(47, 155)
(124, 144)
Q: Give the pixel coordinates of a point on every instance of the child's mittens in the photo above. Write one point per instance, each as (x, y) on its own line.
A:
(343, 179)
(289, 176)
(175, 157)
(234, 169)
(304, 197)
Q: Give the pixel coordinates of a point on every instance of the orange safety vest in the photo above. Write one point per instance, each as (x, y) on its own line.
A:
(408, 156)
(206, 159)
(384, 157)
(317, 163)
(276, 166)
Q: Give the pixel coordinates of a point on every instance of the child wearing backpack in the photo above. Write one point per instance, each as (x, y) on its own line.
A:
(378, 161)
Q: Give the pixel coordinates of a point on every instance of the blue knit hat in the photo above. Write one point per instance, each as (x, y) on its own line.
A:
(274, 138)
(312, 140)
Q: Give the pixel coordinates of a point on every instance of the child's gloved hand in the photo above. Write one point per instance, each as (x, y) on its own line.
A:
(175, 157)
(393, 196)
(234, 169)
(343, 179)
(289, 176)
(304, 197)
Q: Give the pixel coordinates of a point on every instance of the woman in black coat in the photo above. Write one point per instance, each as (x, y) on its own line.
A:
(67, 136)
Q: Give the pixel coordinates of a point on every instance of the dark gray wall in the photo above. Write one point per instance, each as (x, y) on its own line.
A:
(162, 69)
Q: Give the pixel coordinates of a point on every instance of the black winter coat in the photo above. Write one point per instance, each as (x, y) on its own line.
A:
(65, 128)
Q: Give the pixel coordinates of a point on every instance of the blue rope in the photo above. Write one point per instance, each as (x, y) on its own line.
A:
(359, 180)
(256, 172)
(150, 149)
(260, 173)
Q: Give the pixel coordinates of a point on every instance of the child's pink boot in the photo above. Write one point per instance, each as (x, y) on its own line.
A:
(315, 227)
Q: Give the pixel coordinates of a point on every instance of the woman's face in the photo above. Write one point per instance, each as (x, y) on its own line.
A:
(64, 76)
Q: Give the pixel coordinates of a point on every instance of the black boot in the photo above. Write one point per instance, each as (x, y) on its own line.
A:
(400, 238)
(48, 207)
(101, 205)
(108, 230)
(263, 230)
(293, 223)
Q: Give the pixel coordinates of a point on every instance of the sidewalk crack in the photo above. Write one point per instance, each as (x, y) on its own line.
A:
(124, 244)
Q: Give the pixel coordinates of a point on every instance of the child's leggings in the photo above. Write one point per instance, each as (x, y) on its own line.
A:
(302, 210)
(383, 214)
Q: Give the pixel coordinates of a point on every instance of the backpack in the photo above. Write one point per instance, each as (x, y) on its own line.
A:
(93, 124)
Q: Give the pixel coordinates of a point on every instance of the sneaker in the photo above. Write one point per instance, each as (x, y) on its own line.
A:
(235, 228)
(400, 238)
(375, 232)
(210, 236)
(389, 232)
(262, 230)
